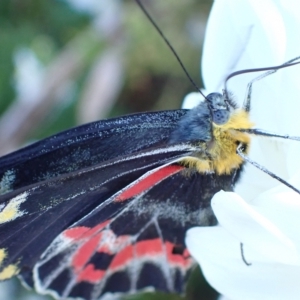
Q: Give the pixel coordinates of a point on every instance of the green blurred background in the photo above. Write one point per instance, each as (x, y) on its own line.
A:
(68, 62)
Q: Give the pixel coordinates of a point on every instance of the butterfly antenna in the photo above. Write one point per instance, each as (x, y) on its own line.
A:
(240, 152)
(170, 46)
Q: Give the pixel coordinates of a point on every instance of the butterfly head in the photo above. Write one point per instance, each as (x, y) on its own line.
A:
(220, 107)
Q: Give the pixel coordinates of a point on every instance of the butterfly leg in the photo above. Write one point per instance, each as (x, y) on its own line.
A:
(247, 100)
(243, 255)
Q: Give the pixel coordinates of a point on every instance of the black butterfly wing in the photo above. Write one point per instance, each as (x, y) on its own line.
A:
(31, 217)
(94, 210)
(134, 241)
(85, 146)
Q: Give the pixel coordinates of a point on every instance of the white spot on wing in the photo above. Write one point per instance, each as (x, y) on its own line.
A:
(7, 181)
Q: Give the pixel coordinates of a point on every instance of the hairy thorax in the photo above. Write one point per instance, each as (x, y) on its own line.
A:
(219, 155)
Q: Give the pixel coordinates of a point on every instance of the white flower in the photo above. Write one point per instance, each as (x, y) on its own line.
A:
(270, 244)
(263, 214)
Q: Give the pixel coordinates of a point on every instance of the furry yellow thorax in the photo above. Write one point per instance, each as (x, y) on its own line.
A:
(220, 154)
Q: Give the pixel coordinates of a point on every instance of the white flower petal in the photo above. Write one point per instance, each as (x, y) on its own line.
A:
(253, 229)
(220, 259)
(283, 209)
(191, 100)
(235, 34)
(251, 34)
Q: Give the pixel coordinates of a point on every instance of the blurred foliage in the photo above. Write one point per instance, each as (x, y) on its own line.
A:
(44, 26)
(155, 79)
(152, 78)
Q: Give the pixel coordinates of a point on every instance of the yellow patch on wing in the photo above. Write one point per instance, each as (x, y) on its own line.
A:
(12, 209)
(9, 272)
(3, 255)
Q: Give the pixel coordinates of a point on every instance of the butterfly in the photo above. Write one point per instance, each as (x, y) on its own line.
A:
(102, 209)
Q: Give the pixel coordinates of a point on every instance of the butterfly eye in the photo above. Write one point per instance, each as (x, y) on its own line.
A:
(219, 108)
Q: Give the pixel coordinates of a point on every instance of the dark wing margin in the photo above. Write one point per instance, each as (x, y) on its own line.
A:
(85, 146)
(32, 217)
(138, 247)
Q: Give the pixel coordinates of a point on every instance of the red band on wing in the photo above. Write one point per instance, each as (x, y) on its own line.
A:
(89, 241)
(147, 182)
(103, 240)
(151, 249)
(81, 232)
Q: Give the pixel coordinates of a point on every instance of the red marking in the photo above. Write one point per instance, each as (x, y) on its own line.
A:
(141, 249)
(103, 240)
(76, 232)
(82, 232)
(88, 240)
(151, 249)
(147, 182)
(90, 274)
(84, 253)
(122, 257)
